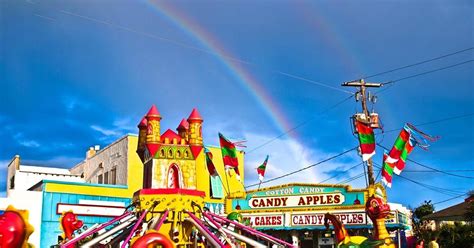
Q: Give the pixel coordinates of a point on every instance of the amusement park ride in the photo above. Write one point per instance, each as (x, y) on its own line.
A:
(169, 211)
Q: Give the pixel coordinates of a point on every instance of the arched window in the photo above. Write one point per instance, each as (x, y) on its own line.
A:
(174, 177)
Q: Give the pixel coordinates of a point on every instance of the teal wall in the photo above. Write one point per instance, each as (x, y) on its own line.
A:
(50, 227)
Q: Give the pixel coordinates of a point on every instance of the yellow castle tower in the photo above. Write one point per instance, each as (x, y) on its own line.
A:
(195, 128)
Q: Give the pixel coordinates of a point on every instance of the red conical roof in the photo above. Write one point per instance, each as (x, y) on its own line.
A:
(195, 115)
(183, 125)
(143, 122)
(170, 135)
(153, 111)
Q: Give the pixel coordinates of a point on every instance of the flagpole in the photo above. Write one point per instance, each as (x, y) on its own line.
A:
(259, 185)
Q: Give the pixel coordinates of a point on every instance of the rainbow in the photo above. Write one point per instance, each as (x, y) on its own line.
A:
(234, 66)
(329, 35)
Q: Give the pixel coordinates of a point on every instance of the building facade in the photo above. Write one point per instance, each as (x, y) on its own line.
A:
(295, 212)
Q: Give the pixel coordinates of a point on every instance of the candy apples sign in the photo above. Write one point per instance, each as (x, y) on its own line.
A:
(297, 201)
(317, 219)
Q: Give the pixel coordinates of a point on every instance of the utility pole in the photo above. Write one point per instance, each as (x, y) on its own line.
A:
(361, 84)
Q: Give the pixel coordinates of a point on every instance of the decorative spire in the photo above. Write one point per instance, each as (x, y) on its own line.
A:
(153, 130)
(143, 123)
(183, 125)
(142, 131)
(194, 116)
(153, 112)
(194, 132)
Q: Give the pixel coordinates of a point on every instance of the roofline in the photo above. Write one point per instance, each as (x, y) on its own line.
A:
(45, 181)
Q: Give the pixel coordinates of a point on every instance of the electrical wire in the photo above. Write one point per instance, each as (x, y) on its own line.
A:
(391, 82)
(431, 171)
(195, 48)
(302, 169)
(431, 168)
(435, 121)
(449, 199)
(300, 125)
(440, 171)
(430, 187)
(418, 63)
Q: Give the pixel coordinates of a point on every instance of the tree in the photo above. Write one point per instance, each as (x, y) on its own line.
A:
(423, 210)
(420, 226)
(469, 215)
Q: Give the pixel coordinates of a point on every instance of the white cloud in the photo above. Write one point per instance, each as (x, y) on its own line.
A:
(288, 155)
(59, 161)
(29, 143)
(72, 103)
(20, 138)
(126, 124)
(105, 131)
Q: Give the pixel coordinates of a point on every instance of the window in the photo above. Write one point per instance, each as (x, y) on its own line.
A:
(173, 177)
(106, 178)
(99, 179)
(12, 182)
(216, 187)
(113, 179)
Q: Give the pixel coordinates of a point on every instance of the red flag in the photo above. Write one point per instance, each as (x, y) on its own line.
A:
(210, 165)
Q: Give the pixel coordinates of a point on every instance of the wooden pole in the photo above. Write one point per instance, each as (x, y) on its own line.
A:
(361, 84)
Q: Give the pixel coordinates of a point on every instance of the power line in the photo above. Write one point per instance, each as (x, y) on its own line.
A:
(431, 171)
(459, 196)
(431, 168)
(418, 63)
(302, 169)
(300, 125)
(421, 74)
(426, 72)
(431, 187)
(444, 172)
(188, 46)
(435, 121)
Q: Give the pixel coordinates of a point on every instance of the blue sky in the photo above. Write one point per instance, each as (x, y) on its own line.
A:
(80, 73)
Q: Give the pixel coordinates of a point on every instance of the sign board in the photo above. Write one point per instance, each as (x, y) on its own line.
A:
(90, 210)
(317, 219)
(268, 220)
(293, 201)
(302, 196)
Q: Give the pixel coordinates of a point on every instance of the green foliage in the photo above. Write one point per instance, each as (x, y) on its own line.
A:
(420, 226)
(423, 210)
(456, 235)
(469, 215)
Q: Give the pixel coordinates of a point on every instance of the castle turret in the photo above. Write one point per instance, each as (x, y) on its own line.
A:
(142, 130)
(183, 130)
(153, 130)
(194, 133)
(195, 128)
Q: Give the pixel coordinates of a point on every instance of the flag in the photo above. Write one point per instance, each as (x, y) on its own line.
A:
(387, 171)
(210, 165)
(229, 155)
(261, 169)
(366, 139)
(400, 165)
(395, 161)
(399, 145)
